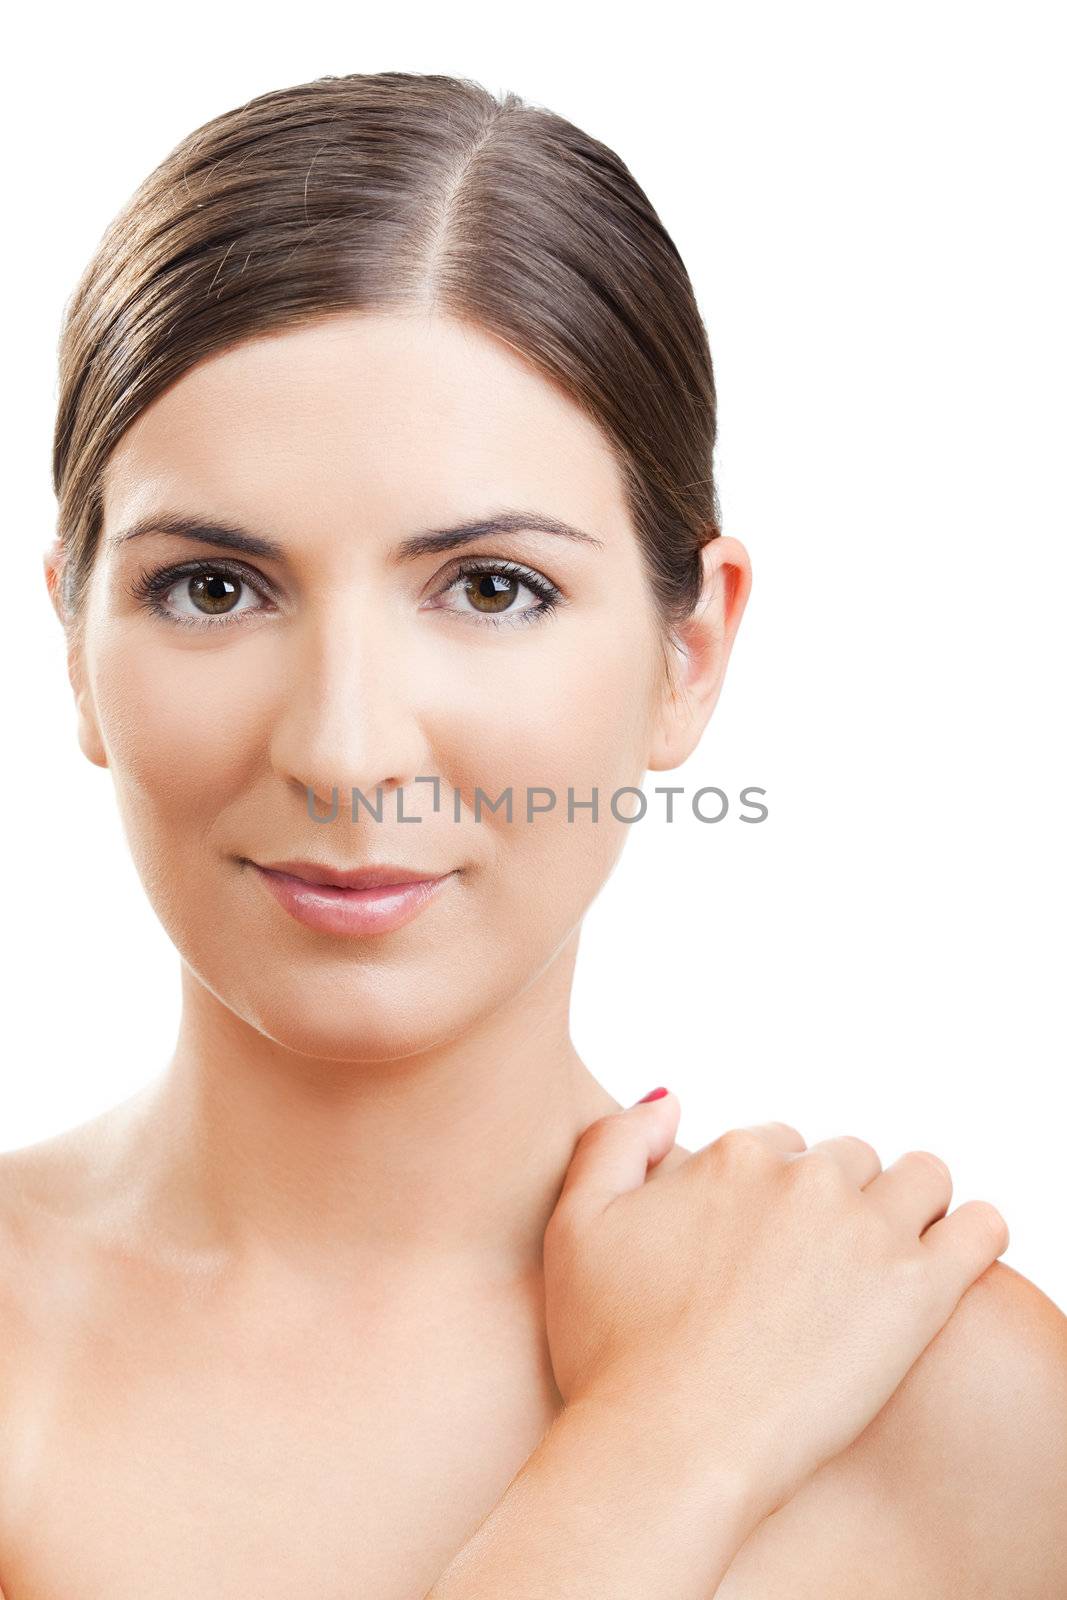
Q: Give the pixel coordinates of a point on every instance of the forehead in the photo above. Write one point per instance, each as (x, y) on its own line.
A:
(399, 418)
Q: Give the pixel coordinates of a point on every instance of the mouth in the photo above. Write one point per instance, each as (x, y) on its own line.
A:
(384, 875)
(372, 900)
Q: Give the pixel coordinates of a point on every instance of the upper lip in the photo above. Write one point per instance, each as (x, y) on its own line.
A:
(361, 878)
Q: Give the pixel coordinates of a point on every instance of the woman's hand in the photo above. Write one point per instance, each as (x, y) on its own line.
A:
(763, 1298)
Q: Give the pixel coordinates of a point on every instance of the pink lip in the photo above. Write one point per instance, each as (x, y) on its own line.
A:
(379, 908)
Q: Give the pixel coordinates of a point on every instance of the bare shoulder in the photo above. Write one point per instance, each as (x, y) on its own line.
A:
(972, 1448)
(958, 1488)
(15, 1317)
(37, 1181)
(57, 1178)
(46, 1188)
(15, 1219)
(24, 1178)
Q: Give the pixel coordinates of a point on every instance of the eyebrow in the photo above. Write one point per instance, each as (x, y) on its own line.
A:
(229, 536)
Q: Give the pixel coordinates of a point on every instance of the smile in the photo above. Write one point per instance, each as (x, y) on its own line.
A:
(327, 908)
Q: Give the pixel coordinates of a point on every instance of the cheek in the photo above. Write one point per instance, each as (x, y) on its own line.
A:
(575, 722)
(185, 728)
(181, 737)
(189, 741)
(176, 728)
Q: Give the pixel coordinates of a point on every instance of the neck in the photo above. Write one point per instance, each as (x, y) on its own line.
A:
(451, 1157)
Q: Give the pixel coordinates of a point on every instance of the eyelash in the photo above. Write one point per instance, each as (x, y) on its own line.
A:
(149, 587)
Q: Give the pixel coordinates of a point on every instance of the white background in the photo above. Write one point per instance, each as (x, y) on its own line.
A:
(869, 201)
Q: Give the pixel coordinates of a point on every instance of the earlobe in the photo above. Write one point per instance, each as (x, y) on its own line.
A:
(89, 733)
(92, 745)
(89, 739)
(700, 648)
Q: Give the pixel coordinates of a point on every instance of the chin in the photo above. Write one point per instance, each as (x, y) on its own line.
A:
(315, 1021)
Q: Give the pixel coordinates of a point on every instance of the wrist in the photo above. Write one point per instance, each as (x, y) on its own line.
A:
(700, 1464)
(613, 1501)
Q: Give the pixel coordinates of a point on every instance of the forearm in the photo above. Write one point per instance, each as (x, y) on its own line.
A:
(606, 1505)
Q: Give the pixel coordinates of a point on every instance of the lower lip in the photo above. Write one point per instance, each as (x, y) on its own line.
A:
(350, 911)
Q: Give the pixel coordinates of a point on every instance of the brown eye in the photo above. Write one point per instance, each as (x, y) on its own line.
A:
(202, 594)
(213, 592)
(487, 591)
(491, 592)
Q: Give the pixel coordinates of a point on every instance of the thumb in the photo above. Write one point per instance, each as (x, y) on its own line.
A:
(615, 1152)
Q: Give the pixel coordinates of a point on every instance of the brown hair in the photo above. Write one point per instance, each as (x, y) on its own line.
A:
(388, 190)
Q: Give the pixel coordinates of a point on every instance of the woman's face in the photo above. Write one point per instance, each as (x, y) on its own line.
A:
(338, 663)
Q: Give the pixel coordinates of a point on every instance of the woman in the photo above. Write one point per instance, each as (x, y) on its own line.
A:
(383, 464)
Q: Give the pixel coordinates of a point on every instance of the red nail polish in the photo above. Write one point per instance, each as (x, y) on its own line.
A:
(656, 1094)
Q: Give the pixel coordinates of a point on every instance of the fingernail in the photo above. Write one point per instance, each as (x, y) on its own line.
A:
(654, 1094)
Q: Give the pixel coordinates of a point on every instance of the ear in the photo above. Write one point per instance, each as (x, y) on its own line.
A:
(702, 649)
(88, 731)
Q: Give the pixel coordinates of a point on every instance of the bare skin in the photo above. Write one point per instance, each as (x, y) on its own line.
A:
(278, 1320)
(168, 1431)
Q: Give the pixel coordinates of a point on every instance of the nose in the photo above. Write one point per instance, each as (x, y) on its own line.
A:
(350, 717)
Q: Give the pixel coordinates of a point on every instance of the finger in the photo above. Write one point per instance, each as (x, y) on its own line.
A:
(779, 1134)
(965, 1243)
(613, 1154)
(859, 1159)
(915, 1190)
